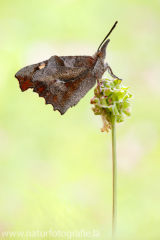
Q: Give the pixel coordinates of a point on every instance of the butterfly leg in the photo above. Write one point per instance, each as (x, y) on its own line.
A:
(107, 67)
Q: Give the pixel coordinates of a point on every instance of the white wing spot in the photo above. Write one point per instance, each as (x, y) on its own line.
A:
(42, 65)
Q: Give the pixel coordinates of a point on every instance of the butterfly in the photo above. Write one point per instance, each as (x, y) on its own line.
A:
(63, 81)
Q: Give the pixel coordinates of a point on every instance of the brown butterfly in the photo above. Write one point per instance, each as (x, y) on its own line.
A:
(63, 81)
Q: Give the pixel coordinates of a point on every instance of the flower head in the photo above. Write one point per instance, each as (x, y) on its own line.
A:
(111, 99)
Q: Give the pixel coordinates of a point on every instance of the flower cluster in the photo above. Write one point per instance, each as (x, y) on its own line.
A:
(111, 100)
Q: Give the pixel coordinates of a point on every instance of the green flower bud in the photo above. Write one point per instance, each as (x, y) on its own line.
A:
(94, 100)
(116, 82)
(107, 92)
(103, 102)
(120, 118)
(118, 95)
(97, 111)
(128, 95)
(127, 111)
(126, 104)
(110, 108)
(98, 106)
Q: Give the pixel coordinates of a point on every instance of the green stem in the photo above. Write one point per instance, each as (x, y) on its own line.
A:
(114, 168)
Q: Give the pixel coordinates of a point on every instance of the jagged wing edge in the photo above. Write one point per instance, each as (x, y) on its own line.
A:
(27, 81)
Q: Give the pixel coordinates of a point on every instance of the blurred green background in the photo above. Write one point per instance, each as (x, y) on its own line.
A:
(55, 171)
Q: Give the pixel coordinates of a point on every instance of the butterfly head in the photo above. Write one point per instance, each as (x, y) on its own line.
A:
(101, 52)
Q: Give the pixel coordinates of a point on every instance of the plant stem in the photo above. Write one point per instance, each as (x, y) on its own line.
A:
(114, 169)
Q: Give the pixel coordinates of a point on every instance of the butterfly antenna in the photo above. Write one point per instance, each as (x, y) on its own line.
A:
(108, 34)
